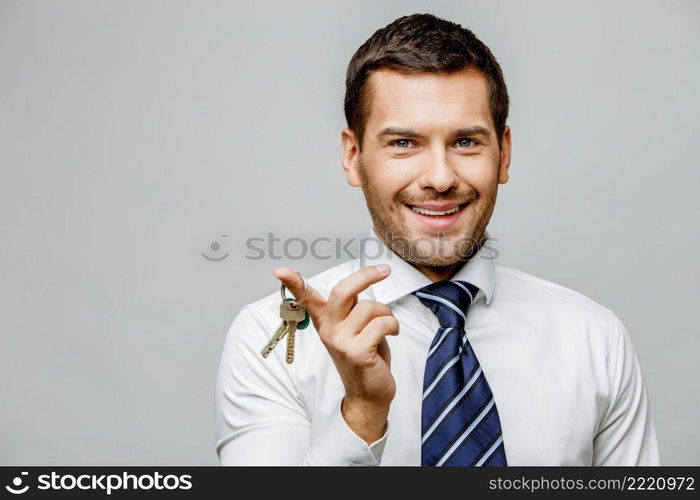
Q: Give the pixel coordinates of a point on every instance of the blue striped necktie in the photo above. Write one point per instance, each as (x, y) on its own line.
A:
(460, 424)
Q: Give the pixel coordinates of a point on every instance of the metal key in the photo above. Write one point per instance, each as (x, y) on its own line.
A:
(279, 335)
(291, 337)
(291, 313)
(294, 315)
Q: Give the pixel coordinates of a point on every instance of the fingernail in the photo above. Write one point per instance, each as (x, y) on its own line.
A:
(383, 268)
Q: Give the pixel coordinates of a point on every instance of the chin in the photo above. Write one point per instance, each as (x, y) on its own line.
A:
(427, 250)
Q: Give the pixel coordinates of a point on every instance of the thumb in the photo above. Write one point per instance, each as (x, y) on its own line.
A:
(313, 301)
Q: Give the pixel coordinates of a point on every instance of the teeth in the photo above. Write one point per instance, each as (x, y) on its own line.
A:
(425, 211)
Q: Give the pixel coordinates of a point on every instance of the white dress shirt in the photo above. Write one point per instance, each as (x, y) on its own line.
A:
(561, 367)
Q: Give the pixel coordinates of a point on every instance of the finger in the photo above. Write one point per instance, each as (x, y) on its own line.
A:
(313, 301)
(343, 296)
(376, 331)
(363, 312)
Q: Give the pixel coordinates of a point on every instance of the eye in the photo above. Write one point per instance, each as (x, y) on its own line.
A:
(461, 142)
(401, 143)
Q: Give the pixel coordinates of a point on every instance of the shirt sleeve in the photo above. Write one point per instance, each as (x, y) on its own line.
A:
(337, 444)
(626, 435)
(260, 416)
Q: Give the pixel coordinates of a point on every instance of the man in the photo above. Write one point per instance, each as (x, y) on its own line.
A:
(426, 351)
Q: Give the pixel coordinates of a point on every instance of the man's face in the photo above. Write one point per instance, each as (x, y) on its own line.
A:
(430, 164)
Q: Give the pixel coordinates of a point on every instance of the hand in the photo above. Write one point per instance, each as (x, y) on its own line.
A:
(354, 333)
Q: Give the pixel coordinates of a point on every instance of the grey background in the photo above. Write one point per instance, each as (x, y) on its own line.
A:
(133, 134)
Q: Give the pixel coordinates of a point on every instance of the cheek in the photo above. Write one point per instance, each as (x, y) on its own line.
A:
(481, 175)
(390, 178)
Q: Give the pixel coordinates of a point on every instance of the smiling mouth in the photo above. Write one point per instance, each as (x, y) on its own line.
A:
(432, 212)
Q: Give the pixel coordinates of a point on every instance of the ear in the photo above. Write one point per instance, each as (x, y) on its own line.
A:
(350, 156)
(505, 156)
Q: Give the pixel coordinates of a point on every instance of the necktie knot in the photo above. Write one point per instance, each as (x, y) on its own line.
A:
(449, 300)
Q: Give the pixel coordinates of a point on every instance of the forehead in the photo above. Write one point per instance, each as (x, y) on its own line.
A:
(428, 100)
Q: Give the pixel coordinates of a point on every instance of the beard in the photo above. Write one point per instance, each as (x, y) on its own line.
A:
(439, 249)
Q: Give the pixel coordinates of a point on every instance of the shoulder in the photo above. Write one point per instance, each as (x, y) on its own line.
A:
(567, 321)
(550, 300)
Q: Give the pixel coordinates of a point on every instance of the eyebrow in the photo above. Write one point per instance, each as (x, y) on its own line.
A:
(407, 132)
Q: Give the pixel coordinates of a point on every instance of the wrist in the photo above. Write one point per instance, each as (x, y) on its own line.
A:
(367, 419)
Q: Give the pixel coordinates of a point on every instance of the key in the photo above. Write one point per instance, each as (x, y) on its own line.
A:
(291, 313)
(291, 334)
(279, 335)
(291, 337)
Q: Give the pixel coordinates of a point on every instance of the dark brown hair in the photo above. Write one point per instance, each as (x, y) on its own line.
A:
(421, 43)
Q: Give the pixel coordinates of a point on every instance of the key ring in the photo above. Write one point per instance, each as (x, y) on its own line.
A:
(303, 296)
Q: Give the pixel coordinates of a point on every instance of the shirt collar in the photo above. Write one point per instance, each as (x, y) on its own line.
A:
(404, 278)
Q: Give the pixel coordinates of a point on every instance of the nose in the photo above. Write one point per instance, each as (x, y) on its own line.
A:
(438, 174)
